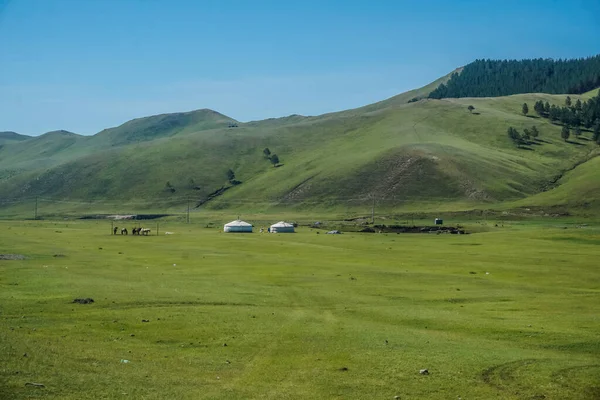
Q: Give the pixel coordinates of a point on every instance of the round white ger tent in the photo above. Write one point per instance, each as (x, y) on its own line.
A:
(238, 226)
(282, 227)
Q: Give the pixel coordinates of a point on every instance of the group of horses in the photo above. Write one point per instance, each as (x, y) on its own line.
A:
(134, 231)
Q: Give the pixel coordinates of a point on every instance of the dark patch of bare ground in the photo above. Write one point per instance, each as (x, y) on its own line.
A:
(86, 300)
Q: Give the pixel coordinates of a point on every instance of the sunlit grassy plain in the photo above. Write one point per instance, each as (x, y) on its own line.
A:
(511, 312)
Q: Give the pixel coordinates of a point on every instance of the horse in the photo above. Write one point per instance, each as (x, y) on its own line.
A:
(124, 231)
(135, 231)
(115, 230)
(145, 231)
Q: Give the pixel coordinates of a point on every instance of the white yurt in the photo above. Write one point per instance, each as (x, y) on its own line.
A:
(238, 226)
(282, 227)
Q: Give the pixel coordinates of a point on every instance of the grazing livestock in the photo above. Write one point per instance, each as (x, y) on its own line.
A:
(124, 231)
(115, 230)
(135, 231)
(144, 231)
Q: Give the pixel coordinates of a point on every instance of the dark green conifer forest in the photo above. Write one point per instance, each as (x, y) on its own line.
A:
(491, 78)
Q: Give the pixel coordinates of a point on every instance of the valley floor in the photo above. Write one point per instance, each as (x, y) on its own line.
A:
(508, 313)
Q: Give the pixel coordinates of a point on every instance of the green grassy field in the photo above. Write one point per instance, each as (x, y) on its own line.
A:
(508, 313)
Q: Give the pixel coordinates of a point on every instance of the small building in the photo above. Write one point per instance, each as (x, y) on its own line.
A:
(439, 221)
(238, 226)
(282, 227)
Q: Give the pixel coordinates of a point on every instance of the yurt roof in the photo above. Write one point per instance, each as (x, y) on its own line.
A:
(238, 222)
(282, 224)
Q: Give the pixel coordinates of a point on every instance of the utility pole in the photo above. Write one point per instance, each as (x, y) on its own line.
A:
(373, 212)
(36, 208)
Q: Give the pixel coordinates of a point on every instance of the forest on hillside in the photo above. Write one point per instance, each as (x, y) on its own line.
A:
(491, 78)
(574, 116)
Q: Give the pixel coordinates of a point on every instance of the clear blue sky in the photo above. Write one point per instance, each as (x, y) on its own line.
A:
(84, 65)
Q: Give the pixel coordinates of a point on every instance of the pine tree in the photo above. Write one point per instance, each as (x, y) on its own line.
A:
(526, 137)
(577, 132)
(547, 107)
(554, 113)
(525, 109)
(514, 136)
(538, 107)
(596, 136)
(169, 188)
(274, 160)
(568, 101)
(565, 133)
(230, 175)
(534, 132)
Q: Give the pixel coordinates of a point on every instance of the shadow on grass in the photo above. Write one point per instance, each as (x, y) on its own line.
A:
(532, 116)
(525, 148)
(575, 143)
(543, 141)
(584, 138)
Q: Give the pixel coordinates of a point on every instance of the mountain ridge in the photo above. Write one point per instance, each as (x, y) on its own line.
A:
(10, 136)
(405, 151)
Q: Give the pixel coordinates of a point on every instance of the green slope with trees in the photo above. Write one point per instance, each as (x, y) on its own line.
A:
(424, 153)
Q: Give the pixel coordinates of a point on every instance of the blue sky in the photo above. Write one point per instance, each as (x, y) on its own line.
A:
(84, 65)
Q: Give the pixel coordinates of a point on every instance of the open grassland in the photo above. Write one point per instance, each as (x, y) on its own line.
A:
(510, 313)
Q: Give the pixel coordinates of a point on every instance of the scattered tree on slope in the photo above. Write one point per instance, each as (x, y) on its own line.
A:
(230, 175)
(581, 114)
(274, 160)
(515, 136)
(565, 133)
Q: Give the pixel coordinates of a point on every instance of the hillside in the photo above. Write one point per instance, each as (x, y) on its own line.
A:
(401, 153)
(159, 126)
(579, 188)
(41, 151)
(9, 137)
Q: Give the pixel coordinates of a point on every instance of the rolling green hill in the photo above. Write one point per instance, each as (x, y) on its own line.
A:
(406, 152)
(9, 137)
(578, 188)
(159, 126)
